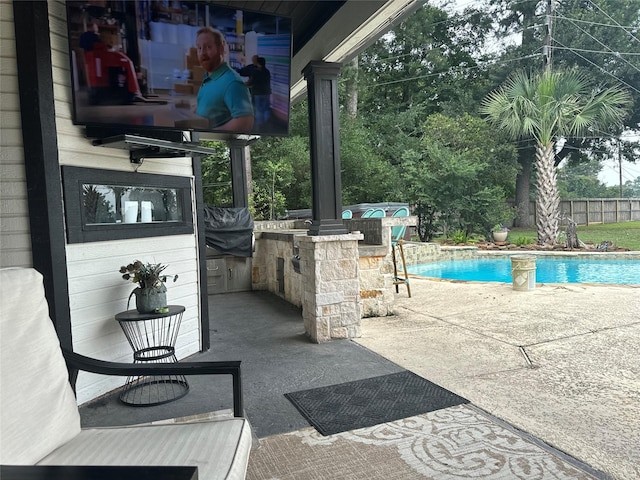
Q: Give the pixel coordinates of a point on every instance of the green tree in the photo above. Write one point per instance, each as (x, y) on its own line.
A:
(579, 179)
(272, 173)
(216, 175)
(366, 176)
(598, 36)
(601, 37)
(427, 64)
(266, 204)
(461, 177)
(545, 106)
(631, 189)
(293, 151)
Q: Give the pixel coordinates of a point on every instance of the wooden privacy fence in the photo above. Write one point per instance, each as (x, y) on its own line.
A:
(587, 211)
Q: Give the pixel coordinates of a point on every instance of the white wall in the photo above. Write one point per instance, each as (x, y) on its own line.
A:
(97, 291)
(15, 242)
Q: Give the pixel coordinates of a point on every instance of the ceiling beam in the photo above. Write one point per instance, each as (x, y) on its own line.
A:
(353, 28)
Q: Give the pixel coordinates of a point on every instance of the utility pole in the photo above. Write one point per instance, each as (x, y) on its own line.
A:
(546, 49)
(620, 164)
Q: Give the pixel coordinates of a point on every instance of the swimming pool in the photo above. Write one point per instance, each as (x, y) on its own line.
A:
(549, 269)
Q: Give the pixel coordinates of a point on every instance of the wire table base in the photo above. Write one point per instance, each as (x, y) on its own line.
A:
(152, 337)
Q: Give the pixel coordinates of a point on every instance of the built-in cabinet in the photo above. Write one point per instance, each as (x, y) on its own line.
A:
(226, 274)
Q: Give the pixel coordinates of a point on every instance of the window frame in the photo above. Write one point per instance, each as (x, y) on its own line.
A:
(79, 231)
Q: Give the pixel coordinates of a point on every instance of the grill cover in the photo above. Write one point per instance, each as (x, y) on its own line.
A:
(229, 230)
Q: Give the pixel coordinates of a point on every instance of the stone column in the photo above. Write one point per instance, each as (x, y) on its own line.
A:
(331, 287)
(324, 120)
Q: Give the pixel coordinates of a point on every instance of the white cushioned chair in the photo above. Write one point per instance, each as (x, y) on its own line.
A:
(39, 418)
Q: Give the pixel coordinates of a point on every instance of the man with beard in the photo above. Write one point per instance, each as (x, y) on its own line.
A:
(223, 97)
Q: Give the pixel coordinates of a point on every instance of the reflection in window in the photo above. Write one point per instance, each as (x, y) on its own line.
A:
(107, 204)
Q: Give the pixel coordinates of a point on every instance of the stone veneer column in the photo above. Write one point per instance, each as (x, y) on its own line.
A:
(330, 280)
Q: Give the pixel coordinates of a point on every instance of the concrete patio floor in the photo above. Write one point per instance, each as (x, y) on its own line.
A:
(557, 362)
(267, 335)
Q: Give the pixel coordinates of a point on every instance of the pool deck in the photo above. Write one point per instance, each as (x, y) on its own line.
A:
(559, 361)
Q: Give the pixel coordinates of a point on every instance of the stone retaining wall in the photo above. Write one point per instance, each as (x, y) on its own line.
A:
(417, 252)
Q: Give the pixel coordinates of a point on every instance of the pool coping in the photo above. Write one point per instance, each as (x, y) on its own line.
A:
(633, 255)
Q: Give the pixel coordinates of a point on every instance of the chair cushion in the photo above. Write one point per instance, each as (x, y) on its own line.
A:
(38, 410)
(220, 448)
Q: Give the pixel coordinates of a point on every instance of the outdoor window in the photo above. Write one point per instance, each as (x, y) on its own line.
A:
(107, 205)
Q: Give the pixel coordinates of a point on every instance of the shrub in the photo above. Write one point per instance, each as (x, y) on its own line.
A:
(522, 240)
(459, 236)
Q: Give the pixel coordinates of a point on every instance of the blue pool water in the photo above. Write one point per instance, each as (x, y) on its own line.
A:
(548, 270)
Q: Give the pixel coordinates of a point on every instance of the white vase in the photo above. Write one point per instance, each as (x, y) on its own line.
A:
(146, 212)
(500, 236)
(130, 212)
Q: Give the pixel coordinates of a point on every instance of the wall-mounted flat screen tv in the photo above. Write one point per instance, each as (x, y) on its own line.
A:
(179, 65)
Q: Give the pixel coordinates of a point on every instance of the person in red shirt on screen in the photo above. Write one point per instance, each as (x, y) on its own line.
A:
(99, 59)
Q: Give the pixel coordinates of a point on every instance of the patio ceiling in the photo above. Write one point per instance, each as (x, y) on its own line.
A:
(330, 30)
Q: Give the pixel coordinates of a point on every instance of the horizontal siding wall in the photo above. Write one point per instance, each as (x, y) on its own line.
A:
(15, 240)
(97, 291)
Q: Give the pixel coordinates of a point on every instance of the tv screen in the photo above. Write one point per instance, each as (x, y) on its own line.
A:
(187, 65)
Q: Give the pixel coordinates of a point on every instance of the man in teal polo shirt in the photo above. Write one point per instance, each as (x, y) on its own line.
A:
(223, 97)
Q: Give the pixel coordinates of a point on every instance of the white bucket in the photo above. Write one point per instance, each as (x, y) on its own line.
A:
(523, 272)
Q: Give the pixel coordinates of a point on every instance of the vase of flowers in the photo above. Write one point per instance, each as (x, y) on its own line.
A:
(499, 232)
(151, 293)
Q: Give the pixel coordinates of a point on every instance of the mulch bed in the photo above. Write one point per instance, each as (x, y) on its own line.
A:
(546, 248)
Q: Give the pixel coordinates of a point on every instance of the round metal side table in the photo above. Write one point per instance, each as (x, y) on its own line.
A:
(152, 337)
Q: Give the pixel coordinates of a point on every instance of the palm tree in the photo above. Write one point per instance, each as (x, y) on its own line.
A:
(545, 106)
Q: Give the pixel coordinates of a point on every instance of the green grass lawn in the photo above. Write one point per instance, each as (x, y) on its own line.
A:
(624, 235)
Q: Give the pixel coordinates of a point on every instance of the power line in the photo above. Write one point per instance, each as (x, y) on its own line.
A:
(605, 46)
(534, 55)
(589, 22)
(452, 69)
(617, 54)
(598, 66)
(614, 20)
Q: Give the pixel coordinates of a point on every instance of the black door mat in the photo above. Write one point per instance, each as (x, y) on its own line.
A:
(372, 401)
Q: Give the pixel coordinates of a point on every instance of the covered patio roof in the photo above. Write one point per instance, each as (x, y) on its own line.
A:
(331, 30)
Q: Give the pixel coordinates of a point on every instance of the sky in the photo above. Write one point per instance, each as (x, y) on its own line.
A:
(610, 174)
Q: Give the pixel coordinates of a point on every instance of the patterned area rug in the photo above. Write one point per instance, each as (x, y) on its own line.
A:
(372, 401)
(454, 443)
